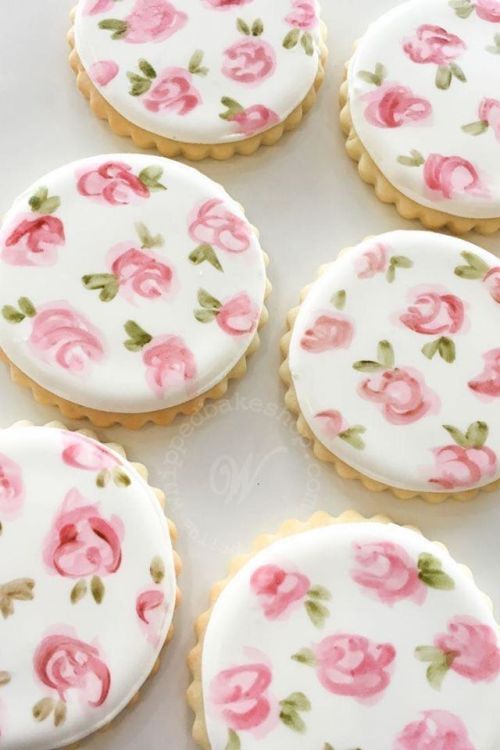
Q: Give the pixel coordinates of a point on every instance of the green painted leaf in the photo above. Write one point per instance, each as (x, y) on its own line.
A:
(466, 272)
(291, 39)
(428, 653)
(233, 742)
(319, 592)
(60, 712)
(4, 678)
(431, 573)
(147, 68)
(447, 350)
(401, 261)
(339, 299)
(205, 253)
(305, 656)
(106, 282)
(391, 274)
(97, 589)
(463, 8)
(385, 354)
(150, 177)
(457, 435)
(148, 241)
(195, 64)
(366, 365)
(431, 349)
(78, 591)
(476, 128)
(307, 43)
(353, 437)
(207, 301)
(477, 434)
(444, 77)
(327, 746)
(293, 720)
(495, 50)
(118, 27)
(103, 478)
(38, 198)
(368, 77)
(258, 27)
(27, 307)
(12, 315)
(205, 316)
(474, 261)
(43, 709)
(138, 336)
(50, 205)
(157, 569)
(298, 701)
(139, 85)
(458, 73)
(317, 612)
(121, 478)
(243, 27)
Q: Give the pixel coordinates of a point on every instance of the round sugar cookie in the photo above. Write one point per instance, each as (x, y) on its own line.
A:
(393, 365)
(131, 288)
(199, 77)
(344, 633)
(87, 585)
(422, 112)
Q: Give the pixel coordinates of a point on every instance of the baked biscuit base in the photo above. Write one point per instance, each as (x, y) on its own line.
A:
(321, 452)
(192, 151)
(289, 528)
(172, 530)
(387, 193)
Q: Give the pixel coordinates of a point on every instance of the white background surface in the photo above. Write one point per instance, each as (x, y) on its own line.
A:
(238, 468)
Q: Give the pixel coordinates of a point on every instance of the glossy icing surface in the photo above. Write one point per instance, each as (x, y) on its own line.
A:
(85, 546)
(424, 102)
(201, 71)
(128, 283)
(324, 639)
(395, 360)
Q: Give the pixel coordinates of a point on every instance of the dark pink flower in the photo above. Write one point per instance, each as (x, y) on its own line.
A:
(249, 61)
(473, 648)
(103, 71)
(402, 394)
(373, 261)
(333, 422)
(488, 10)
(452, 175)
(238, 315)
(150, 608)
(489, 111)
(173, 90)
(354, 666)
(393, 105)
(213, 224)
(459, 467)
(153, 21)
(113, 183)
(34, 241)
(169, 364)
(255, 119)
(141, 272)
(64, 663)
(388, 572)
(226, 4)
(82, 453)
(81, 542)
(93, 7)
(329, 331)
(434, 312)
(303, 15)
(278, 590)
(436, 730)
(62, 336)
(488, 383)
(433, 44)
(240, 695)
(11, 488)
(492, 281)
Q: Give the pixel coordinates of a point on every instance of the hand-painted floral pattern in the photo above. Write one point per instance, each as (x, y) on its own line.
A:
(80, 452)
(476, 269)
(251, 60)
(150, 609)
(492, 283)
(487, 10)
(433, 311)
(489, 117)
(237, 316)
(278, 591)
(328, 332)
(103, 72)
(387, 571)
(213, 224)
(141, 272)
(435, 730)
(168, 360)
(172, 90)
(12, 490)
(115, 184)
(487, 384)
(93, 7)
(334, 425)
(394, 105)
(241, 696)
(150, 21)
(303, 16)
(36, 238)
(434, 45)
(377, 259)
(467, 462)
(447, 176)
(249, 120)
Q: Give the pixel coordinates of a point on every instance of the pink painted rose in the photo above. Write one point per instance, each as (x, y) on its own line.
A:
(488, 383)
(303, 15)
(473, 649)
(328, 332)
(93, 7)
(354, 666)
(434, 312)
(103, 71)
(11, 488)
(249, 61)
(169, 363)
(81, 542)
(433, 44)
(173, 90)
(492, 281)
(64, 663)
(333, 422)
(278, 590)
(82, 453)
(388, 572)
(373, 261)
(458, 467)
(452, 175)
(62, 336)
(255, 119)
(240, 695)
(436, 730)
(402, 394)
(112, 182)
(226, 4)
(150, 608)
(34, 241)
(488, 10)
(489, 111)
(238, 315)
(213, 224)
(393, 106)
(141, 272)
(153, 21)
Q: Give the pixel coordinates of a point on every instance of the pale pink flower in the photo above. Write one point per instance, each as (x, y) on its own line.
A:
(434, 311)
(489, 111)
(278, 590)
(387, 571)
(460, 468)
(393, 106)
(169, 364)
(303, 15)
(93, 7)
(81, 452)
(373, 261)
(103, 72)
(150, 608)
(435, 730)
(473, 647)
(488, 382)
(249, 61)
(332, 421)
(453, 175)
(329, 331)
(238, 316)
(12, 491)
(492, 282)
(153, 21)
(173, 90)
(433, 44)
(488, 10)
(240, 695)
(255, 119)
(402, 395)
(213, 224)
(141, 272)
(112, 182)
(35, 241)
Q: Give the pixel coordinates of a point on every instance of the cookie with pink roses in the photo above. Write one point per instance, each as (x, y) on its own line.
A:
(392, 365)
(199, 78)
(422, 114)
(85, 545)
(322, 627)
(132, 289)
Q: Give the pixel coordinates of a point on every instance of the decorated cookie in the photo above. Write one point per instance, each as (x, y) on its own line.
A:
(393, 365)
(129, 285)
(85, 546)
(422, 111)
(343, 633)
(199, 77)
